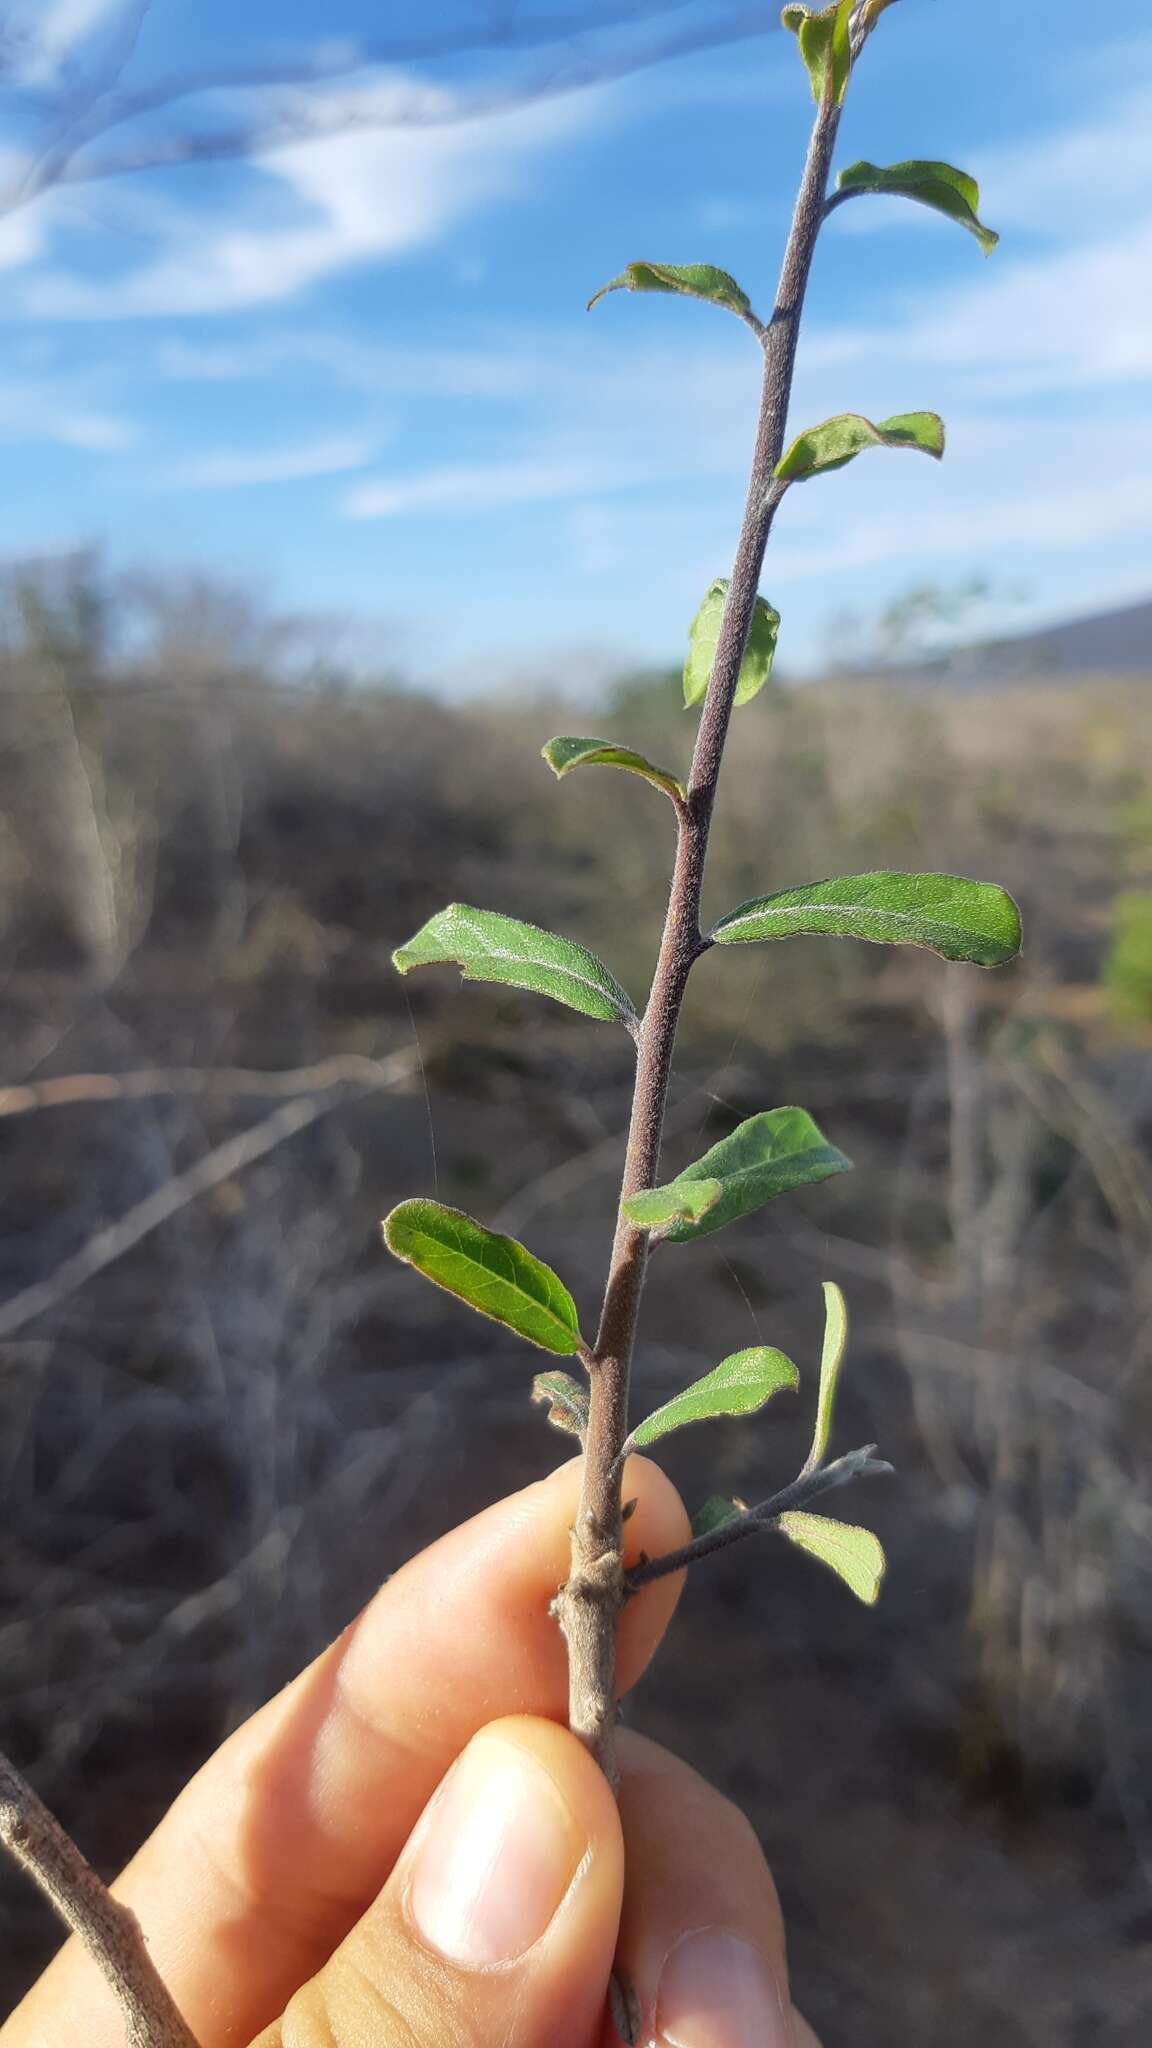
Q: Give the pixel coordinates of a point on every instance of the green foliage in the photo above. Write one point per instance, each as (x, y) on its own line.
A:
(738, 1386)
(562, 755)
(566, 1400)
(488, 947)
(1128, 969)
(930, 183)
(688, 280)
(958, 919)
(759, 650)
(856, 1555)
(763, 1157)
(825, 45)
(836, 442)
(714, 1514)
(495, 1275)
(831, 1360)
(685, 1201)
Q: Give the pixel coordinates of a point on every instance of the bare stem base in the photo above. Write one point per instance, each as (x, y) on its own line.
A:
(109, 1932)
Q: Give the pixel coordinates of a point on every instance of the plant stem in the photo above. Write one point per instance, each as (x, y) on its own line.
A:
(109, 1932)
(588, 1606)
(861, 1464)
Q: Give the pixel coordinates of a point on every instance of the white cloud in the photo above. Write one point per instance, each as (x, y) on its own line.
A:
(44, 413)
(231, 468)
(357, 196)
(475, 487)
(1078, 314)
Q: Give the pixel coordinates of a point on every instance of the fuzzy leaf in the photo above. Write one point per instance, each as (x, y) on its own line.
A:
(763, 1157)
(689, 280)
(855, 1554)
(836, 442)
(562, 755)
(495, 1275)
(825, 45)
(759, 651)
(488, 947)
(938, 185)
(831, 1360)
(566, 1400)
(714, 1514)
(678, 1202)
(959, 919)
(738, 1386)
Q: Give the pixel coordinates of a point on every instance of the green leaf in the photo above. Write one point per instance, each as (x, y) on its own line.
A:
(566, 1400)
(825, 45)
(689, 280)
(837, 441)
(488, 947)
(959, 919)
(938, 185)
(495, 1275)
(763, 1157)
(679, 1202)
(856, 1554)
(714, 1514)
(759, 650)
(738, 1386)
(562, 755)
(831, 1360)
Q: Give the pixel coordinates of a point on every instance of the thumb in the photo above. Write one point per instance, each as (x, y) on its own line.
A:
(498, 1925)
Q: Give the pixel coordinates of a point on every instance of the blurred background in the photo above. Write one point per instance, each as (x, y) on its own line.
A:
(326, 505)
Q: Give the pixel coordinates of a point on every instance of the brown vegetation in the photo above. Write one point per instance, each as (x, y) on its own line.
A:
(224, 1416)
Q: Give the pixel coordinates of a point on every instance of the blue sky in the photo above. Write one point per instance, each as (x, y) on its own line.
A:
(358, 372)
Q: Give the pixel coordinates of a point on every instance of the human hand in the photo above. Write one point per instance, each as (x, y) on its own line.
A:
(407, 1848)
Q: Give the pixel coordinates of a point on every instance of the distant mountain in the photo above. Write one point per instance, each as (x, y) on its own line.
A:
(1117, 643)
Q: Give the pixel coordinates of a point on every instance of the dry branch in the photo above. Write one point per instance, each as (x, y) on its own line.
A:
(217, 1166)
(109, 1932)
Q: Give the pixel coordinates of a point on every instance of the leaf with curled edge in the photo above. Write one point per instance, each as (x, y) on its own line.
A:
(838, 441)
(566, 1400)
(565, 753)
(687, 280)
(927, 181)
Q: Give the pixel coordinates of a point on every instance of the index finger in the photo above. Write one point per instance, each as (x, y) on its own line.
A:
(278, 1845)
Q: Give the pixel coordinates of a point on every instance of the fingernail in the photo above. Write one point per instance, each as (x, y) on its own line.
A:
(717, 1991)
(498, 1855)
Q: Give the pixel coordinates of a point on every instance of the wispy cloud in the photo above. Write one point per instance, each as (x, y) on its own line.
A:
(476, 487)
(359, 196)
(61, 29)
(234, 468)
(1076, 314)
(48, 414)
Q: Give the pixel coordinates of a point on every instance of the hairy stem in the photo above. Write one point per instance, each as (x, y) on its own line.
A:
(589, 1605)
(109, 1932)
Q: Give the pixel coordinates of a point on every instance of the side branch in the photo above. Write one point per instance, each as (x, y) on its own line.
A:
(109, 1932)
(758, 1521)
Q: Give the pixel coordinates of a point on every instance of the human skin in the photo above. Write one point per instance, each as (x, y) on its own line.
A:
(408, 1848)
